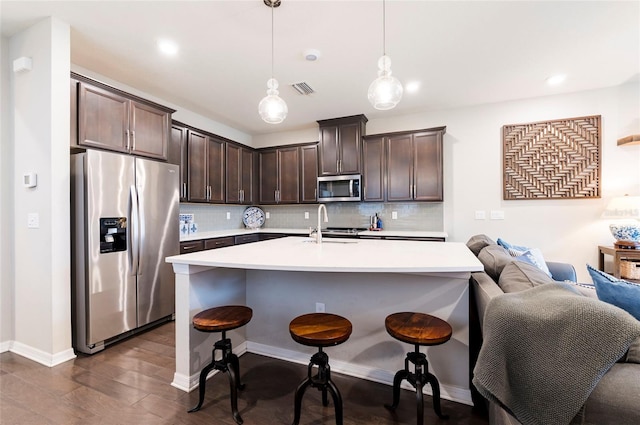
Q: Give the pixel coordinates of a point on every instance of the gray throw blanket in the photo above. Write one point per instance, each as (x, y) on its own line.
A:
(546, 348)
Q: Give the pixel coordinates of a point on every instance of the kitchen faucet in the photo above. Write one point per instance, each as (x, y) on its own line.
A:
(326, 219)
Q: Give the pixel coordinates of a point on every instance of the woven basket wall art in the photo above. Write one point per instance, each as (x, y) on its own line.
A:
(558, 159)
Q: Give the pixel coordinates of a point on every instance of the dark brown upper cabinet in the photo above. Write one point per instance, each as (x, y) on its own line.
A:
(414, 165)
(308, 173)
(279, 175)
(373, 168)
(177, 154)
(205, 168)
(240, 174)
(114, 120)
(340, 142)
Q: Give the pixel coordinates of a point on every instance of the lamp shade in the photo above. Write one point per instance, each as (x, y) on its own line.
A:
(624, 214)
(385, 91)
(623, 207)
(272, 108)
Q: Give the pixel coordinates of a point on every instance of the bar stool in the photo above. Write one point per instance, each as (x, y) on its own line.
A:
(319, 330)
(418, 329)
(222, 319)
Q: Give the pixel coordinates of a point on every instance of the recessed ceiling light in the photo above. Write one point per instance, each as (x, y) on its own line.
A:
(168, 47)
(412, 86)
(556, 79)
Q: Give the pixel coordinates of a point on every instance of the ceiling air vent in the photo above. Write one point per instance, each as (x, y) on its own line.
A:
(303, 88)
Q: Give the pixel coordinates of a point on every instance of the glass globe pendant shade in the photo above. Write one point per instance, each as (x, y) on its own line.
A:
(385, 92)
(272, 108)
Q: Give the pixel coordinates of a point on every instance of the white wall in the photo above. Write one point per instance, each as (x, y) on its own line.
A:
(38, 275)
(42, 315)
(6, 202)
(565, 230)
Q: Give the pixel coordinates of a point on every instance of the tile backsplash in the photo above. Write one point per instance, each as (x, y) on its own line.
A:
(411, 216)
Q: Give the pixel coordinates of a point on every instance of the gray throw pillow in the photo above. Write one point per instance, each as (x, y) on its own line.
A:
(633, 355)
(477, 242)
(494, 258)
(519, 276)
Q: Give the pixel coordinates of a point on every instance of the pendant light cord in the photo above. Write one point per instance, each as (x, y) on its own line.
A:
(384, 29)
(272, 44)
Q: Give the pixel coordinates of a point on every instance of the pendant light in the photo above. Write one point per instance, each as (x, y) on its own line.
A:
(272, 108)
(385, 91)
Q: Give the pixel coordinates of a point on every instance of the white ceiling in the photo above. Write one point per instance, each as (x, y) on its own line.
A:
(462, 52)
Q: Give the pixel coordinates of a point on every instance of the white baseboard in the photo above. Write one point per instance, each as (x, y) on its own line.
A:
(448, 392)
(190, 383)
(5, 346)
(40, 356)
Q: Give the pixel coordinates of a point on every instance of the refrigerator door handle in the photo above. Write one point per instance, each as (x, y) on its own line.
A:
(134, 235)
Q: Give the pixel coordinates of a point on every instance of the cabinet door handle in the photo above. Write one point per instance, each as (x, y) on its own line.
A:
(184, 190)
(128, 141)
(188, 247)
(208, 193)
(133, 137)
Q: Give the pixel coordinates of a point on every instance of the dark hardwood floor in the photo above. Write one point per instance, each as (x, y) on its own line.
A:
(129, 383)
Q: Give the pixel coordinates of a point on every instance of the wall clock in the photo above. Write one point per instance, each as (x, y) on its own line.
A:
(253, 217)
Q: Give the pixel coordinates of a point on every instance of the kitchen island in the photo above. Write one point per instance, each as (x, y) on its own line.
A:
(363, 280)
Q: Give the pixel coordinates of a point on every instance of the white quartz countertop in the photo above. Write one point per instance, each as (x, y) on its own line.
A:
(339, 255)
(305, 232)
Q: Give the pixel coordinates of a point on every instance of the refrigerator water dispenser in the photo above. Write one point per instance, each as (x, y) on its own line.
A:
(113, 234)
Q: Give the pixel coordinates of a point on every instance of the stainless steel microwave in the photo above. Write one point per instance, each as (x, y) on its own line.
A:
(339, 188)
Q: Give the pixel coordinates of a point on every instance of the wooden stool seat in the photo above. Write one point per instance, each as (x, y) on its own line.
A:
(418, 328)
(225, 318)
(222, 319)
(320, 329)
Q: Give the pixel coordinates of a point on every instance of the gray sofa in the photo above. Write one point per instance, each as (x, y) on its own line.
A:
(616, 397)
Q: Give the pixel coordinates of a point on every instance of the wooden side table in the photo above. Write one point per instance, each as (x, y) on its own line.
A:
(618, 255)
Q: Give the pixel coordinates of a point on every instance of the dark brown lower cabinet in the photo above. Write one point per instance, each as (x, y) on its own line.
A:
(191, 246)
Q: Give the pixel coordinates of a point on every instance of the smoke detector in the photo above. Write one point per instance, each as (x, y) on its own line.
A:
(311, 54)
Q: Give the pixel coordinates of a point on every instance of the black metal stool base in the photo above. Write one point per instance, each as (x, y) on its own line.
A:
(322, 382)
(228, 363)
(417, 380)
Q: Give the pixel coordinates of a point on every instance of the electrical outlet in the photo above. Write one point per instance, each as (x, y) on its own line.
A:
(394, 215)
(267, 215)
(481, 215)
(306, 215)
(497, 215)
(319, 307)
(228, 215)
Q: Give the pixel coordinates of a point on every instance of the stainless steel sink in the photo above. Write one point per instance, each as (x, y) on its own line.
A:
(341, 241)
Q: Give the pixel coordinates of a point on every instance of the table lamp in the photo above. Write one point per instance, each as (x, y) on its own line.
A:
(624, 214)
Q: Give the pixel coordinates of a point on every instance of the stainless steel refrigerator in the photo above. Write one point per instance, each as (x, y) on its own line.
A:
(125, 213)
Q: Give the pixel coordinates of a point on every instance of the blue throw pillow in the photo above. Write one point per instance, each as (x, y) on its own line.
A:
(618, 292)
(526, 254)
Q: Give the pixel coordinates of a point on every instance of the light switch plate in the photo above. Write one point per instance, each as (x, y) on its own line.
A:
(33, 221)
(481, 215)
(394, 215)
